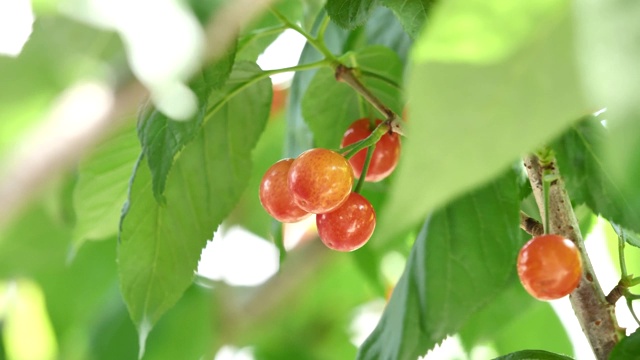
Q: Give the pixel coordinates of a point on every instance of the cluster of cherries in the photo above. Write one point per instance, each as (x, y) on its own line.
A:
(549, 267)
(320, 181)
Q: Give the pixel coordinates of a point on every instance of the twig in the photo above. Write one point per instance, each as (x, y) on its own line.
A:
(530, 225)
(345, 74)
(595, 315)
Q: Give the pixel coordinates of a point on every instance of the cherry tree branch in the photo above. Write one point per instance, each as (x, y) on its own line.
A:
(595, 314)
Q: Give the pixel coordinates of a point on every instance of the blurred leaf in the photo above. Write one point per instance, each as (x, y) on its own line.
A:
(581, 160)
(71, 51)
(103, 182)
(533, 355)
(510, 319)
(186, 331)
(329, 106)
(367, 260)
(163, 139)
(160, 244)
(470, 121)
(384, 29)
(349, 14)
(36, 247)
(613, 82)
(462, 259)
(630, 237)
(411, 13)
(484, 32)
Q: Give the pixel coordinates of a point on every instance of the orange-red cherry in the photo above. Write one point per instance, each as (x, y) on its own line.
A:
(385, 156)
(320, 180)
(275, 196)
(549, 267)
(348, 227)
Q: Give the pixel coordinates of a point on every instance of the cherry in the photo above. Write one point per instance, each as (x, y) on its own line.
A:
(385, 156)
(275, 196)
(348, 227)
(549, 267)
(320, 180)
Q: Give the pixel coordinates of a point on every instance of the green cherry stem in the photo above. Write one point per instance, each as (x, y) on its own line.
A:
(545, 190)
(376, 135)
(365, 168)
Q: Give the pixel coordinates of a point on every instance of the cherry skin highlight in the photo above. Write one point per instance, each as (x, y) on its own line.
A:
(385, 156)
(549, 267)
(348, 227)
(275, 196)
(320, 180)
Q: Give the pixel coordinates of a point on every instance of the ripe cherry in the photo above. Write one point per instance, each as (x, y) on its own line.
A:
(348, 227)
(385, 156)
(275, 196)
(549, 267)
(320, 180)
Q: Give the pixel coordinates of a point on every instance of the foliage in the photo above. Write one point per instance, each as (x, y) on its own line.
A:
(113, 242)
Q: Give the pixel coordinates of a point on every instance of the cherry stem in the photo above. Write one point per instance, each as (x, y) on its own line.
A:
(545, 190)
(317, 43)
(530, 225)
(375, 136)
(365, 168)
(623, 263)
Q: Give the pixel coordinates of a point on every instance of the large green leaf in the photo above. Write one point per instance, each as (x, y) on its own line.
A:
(582, 162)
(533, 355)
(349, 13)
(329, 106)
(163, 138)
(509, 320)
(463, 258)
(608, 65)
(628, 348)
(477, 31)
(468, 122)
(411, 13)
(103, 182)
(160, 244)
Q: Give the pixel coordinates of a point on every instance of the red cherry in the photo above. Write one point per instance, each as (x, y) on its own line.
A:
(320, 180)
(549, 267)
(275, 196)
(385, 156)
(348, 227)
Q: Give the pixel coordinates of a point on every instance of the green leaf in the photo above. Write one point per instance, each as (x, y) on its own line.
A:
(627, 348)
(349, 14)
(162, 138)
(329, 106)
(468, 122)
(160, 244)
(384, 29)
(103, 182)
(582, 162)
(629, 236)
(462, 259)
(411, 13)
(477, 31)
(509, 320)
(533, 355)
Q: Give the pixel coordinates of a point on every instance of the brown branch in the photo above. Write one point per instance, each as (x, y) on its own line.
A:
(616, 293)
(346, 75)
(532, 226)
(595, 314)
